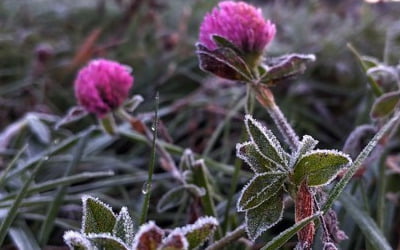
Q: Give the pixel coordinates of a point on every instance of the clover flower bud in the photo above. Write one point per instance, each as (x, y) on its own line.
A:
(102, 86)
(240, 23)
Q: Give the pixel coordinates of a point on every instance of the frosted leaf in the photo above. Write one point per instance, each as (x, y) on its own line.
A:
(265, 141)
(265, 216)
(175, 241)
(285, 67)
(77, 241)
(123, 227)
(149, 237)
(320, 166)
(98, 217)
(197, 233)
(261, 188)
(106, 241)
(248, 152)
(306, 145)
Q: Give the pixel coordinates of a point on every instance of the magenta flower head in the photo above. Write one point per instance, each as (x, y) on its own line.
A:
(240, 23)
(102, 86)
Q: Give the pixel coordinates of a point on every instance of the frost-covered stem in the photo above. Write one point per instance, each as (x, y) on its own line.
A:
(148, 184)
(229, 238)
(338, 189)
(266, 98)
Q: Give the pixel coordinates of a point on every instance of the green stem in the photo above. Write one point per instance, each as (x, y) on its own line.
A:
(148, 183)
(340, 186)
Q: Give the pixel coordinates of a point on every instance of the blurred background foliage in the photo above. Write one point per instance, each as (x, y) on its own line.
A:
(43, 43)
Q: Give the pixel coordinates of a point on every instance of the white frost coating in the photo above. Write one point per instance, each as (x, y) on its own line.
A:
(307, 139)
(106, 236)
(238, 207)
(200, 223)
(72, 238)
(268, 135)
(128, 223)
(330, 151)
(85, 198)
(143, 229)
(245, 157)
(173, 234)
(265, 228)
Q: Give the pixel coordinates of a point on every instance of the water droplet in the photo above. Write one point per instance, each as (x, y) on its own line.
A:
(46, 158)
(56, 141)
(153, 128)
(146, 187)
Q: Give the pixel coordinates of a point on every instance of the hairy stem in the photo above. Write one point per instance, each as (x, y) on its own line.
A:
(266, 98)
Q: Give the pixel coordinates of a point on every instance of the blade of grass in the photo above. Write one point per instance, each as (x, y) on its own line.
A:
(147, 185)
(10, 165)
(13, 210)
(374, 85)
(65, 144)
(340, 186)
(173, 149)
(48, 185)
(52, 211)
(23, 237)
(366, 224)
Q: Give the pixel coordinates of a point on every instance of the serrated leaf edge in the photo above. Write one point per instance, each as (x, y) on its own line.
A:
(172, 234)
(128, 223)
(243, 157)
(269, 135)
(238, 208)
(271, 225)
(85, 198)
(200, 222)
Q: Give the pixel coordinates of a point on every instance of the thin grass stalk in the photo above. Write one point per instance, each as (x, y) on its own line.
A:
(10, 165)
(13, 210)
(148, 184)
